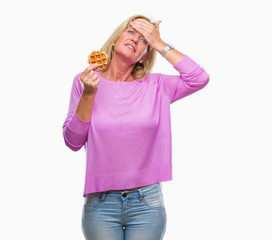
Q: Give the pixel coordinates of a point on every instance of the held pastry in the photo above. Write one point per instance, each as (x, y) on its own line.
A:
(99, 57)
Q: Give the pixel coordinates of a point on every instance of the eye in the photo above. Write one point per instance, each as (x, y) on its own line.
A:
(131, 32)
(144, 41)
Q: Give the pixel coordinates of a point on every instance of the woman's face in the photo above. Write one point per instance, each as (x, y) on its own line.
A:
(131, 45)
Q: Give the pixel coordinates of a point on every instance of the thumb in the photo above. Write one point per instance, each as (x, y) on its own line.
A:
(158, 23)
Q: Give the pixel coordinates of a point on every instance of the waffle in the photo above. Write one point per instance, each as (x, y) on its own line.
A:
(101, 58)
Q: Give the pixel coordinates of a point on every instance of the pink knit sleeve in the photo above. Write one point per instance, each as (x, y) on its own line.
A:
(191, 78)
(75, 131)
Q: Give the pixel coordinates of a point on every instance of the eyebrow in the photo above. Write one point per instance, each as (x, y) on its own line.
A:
(131, 28)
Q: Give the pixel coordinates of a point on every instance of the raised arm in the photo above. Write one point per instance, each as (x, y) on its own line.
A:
(77, 122)
(90, 82)
(152, 34)
(192, 77)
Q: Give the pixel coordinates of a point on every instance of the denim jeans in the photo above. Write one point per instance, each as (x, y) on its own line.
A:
(125, 215)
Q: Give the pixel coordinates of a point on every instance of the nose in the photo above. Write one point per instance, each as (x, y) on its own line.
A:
(135, 38)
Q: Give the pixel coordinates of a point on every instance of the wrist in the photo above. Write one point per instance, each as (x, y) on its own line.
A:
(166, 49)
(88, 94)
(159, 46)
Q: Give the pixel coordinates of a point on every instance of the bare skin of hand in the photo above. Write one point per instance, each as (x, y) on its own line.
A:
(149, 31)
(152, 35)
(90, 80)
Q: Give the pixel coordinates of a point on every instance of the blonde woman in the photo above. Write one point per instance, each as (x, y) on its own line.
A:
(122, 117)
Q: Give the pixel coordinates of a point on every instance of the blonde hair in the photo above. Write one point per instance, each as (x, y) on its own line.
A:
(140, 70)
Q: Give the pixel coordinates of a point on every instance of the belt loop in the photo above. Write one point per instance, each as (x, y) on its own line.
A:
(103, 196)
(141, 194)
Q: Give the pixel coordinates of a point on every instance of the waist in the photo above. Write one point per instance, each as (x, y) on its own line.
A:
(130, 189)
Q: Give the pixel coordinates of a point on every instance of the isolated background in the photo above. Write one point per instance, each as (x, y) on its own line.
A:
(221, 135)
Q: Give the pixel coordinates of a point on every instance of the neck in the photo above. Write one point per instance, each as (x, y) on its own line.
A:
(119, 70)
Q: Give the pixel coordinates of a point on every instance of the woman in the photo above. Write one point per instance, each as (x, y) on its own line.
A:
(122, 117)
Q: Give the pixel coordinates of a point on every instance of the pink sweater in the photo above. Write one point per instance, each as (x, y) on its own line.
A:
(128, 140)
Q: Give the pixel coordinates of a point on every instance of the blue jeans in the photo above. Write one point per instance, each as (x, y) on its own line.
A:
(125, 215)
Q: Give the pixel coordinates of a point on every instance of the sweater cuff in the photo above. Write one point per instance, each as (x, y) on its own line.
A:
(185, 65)
(78, 126)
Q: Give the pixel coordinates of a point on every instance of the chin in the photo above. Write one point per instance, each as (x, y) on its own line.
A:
(128, 58)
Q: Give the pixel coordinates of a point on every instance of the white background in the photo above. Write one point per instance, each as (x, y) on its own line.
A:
(221, 134)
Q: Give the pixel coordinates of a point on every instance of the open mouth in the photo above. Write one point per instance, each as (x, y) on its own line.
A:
(131, 47)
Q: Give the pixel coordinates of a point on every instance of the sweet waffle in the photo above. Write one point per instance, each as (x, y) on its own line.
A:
(99, 57)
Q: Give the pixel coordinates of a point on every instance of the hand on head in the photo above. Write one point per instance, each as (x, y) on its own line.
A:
(149, 31)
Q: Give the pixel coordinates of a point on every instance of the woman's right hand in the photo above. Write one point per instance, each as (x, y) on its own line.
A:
(90, 80)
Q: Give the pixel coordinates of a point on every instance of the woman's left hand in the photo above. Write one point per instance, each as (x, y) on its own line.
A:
(149, 31)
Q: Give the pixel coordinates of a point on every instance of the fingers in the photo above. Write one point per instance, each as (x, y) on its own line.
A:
(142, 22)
(149, 31)
(142, 26)
(145, 25)
(92, 84)
(90, 68)
(90, 79)
(157, 24)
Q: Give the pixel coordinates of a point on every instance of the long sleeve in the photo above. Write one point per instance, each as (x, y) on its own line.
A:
(191, 78)
(75, 131)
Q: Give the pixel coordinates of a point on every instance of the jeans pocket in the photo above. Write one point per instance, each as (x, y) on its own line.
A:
(154, 200)
(92, 202)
